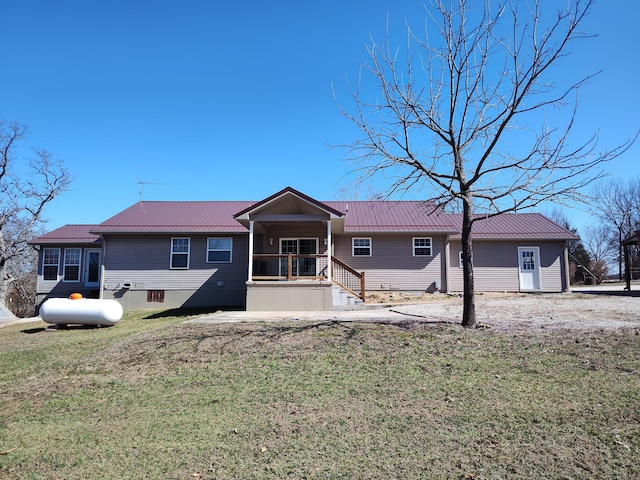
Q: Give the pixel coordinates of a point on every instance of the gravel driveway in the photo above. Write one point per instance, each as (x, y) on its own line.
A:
(526, 312)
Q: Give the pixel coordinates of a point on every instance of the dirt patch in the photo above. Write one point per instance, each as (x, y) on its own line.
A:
(527, 312)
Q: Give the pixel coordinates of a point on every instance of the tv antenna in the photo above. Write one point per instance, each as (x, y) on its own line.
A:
(141, 188)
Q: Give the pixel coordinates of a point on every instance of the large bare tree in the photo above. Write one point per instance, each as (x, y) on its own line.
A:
(465, 111)
(26, 187)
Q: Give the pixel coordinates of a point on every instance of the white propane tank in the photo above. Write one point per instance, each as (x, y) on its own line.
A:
(81, 311)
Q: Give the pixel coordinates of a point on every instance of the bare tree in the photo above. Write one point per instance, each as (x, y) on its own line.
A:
(26, 187)
(21, 295)
(453, 113)
(597, 242)
(580, 261)
(617, 203)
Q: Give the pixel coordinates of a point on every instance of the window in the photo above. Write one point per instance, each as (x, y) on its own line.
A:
(528, 261)
(421, 247)
(219, 249)
(461, 263)
(361, 247)
(72, 264)
(179, 253)
(155, 296)
(50, 263)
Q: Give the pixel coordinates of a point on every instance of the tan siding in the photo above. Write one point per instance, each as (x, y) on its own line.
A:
(392, 265)
(496, 266)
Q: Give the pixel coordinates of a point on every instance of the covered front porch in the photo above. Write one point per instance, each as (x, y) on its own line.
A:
(303, 282)
(291, 266)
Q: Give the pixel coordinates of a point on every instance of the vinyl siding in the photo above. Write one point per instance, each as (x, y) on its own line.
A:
(495, 266)
(294, 230)
(61, 288)
(144, 261)
(392, 265)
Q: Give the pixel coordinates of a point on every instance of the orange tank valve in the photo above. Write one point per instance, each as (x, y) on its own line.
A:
(75, 296)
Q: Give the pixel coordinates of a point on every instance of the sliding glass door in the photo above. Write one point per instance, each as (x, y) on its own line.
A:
(300, 266)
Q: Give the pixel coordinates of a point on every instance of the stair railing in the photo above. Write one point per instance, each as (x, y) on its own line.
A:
(348, 278)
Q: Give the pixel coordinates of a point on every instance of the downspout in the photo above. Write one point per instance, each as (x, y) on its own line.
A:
(103, 258)
(567, 274)
(250, 273)
(447, 251)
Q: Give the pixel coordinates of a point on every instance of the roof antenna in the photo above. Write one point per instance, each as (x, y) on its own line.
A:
(141, 187)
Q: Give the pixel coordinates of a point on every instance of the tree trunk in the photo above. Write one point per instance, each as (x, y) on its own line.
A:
(469, 306)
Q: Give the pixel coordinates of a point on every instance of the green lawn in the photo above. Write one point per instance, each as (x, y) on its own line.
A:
(153, 397)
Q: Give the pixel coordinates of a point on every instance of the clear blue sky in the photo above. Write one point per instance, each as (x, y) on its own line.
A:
(211, 100)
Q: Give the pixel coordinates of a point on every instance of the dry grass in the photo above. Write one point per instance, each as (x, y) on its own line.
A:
(155, 398)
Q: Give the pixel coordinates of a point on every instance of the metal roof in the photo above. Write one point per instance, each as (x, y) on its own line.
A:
(532, 226)
(176, 217)
(68, 234)
(181, 217)
(393, 216)
(294, 200)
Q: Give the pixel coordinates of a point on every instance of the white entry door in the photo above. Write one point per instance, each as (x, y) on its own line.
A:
(92, 267)
(529, 262)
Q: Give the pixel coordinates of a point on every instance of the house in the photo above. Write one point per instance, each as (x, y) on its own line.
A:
(292, 252)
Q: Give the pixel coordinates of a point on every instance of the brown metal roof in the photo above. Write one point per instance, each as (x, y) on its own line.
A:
(359, 217)
(176, 217)
(68, 234)
(632, 239)
(533, 226)
(290, 192)
(393, 216)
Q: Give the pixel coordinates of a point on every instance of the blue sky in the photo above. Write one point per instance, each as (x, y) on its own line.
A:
(209, 100)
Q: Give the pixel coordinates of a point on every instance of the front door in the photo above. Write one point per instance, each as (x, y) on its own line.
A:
(300, 267)
(92, 267)
(529, 263)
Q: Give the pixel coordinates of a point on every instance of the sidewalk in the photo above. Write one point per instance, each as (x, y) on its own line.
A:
(11, 320)
(604, 288)
(366, 315)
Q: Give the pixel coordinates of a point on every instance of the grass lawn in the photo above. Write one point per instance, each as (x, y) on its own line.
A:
(153, 397)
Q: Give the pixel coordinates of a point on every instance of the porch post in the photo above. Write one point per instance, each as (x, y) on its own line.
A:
(250, 275)
(627, 269)
(329, 273)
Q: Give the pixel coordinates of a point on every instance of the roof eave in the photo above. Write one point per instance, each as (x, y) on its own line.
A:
(403, 232)
(167, 231)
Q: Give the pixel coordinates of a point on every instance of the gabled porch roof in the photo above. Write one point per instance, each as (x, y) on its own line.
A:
(285, 206)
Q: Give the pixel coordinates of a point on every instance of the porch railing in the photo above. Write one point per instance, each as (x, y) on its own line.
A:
(307, 267)
(289, 267)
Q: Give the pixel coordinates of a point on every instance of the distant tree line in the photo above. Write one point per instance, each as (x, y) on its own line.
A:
(599, 254)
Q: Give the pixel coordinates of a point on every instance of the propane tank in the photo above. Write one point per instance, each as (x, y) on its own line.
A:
(81, 311)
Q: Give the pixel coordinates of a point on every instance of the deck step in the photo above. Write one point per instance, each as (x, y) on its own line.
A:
(343, 300)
